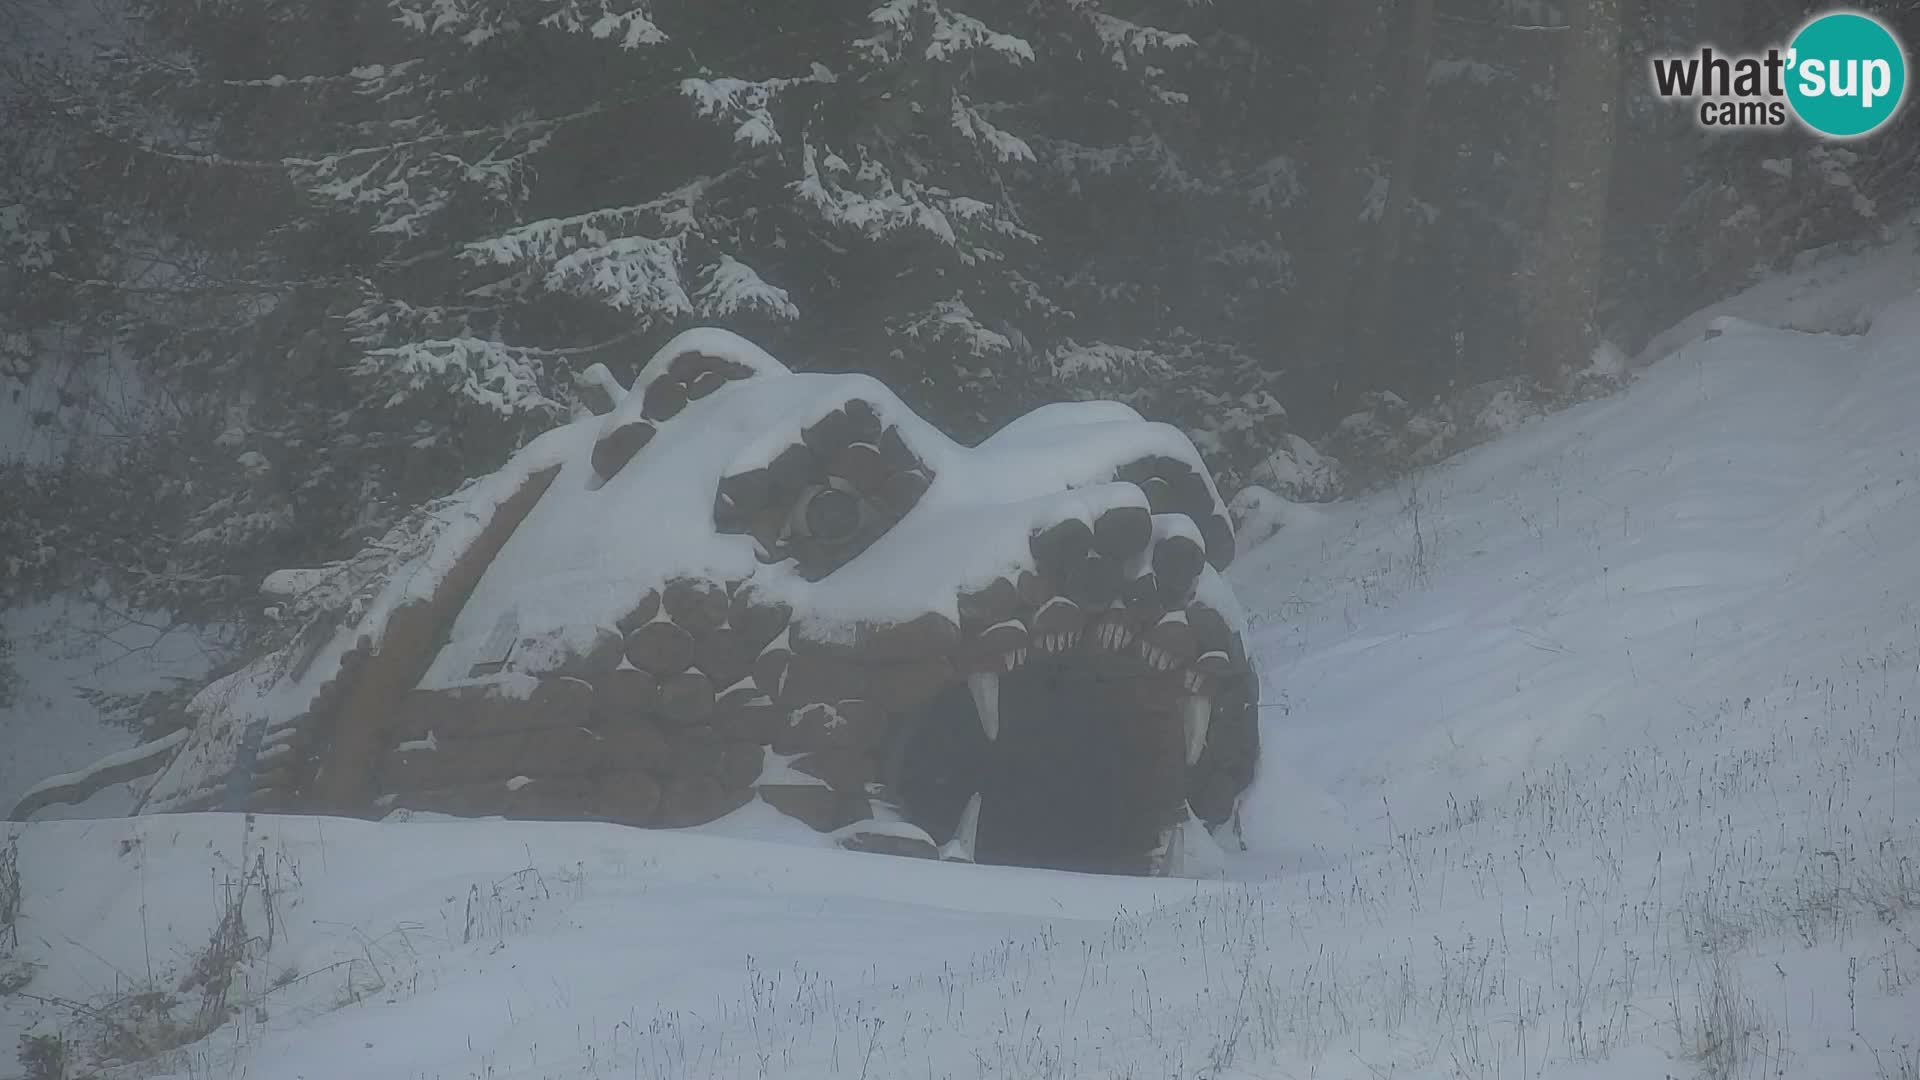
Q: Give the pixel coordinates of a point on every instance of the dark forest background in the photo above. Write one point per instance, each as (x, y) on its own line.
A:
(276, 272)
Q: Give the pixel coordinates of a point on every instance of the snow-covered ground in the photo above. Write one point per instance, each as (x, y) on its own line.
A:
(1590, 753)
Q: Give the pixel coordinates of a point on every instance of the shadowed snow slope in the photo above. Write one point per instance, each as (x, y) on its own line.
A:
(1738, 523)
(1591, 754)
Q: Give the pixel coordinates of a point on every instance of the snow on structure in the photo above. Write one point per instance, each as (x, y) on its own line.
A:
(738, 565)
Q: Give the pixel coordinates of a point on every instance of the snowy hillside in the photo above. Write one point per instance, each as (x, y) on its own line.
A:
(1589, 753)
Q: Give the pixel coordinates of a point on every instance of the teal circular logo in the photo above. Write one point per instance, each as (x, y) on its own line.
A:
(1846, 74)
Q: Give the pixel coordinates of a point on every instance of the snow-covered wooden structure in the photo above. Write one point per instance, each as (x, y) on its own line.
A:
(745, 583)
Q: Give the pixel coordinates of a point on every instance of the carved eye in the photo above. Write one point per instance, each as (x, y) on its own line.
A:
(829, 513)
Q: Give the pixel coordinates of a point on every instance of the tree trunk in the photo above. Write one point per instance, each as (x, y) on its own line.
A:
(1337, 189)
(1406, 152)
(1568, 257)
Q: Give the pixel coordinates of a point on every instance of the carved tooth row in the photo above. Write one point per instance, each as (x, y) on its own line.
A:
(1013, 658)
(1113, 636)
(1156, 657)
(1059, 643)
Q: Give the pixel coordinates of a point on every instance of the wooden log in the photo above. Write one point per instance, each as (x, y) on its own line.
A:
(1213, 663)
(1159, 494)
(756, 720)
(843, 770)
(815, 677)
(617, 447)
(284, 774)
(454, 762)
(816, 805)
(477, 799)
(552, 798)
(566, 698)
(860, 464)
(660, 648)
(792, 471)
(1175, 637)
(901, 491)
(686, 365)
(686, 698)
(987, 651)
(628, 797)
(1143, 591)
(695, 752)
(828, 434)
(863, 421)
(724, 655)
(642, 612)
(1217, 531)
(841, 725)
(695, 800)
(1096, 581)
(1033, 589)
(751, 491)
(625, 694)
(755, 617)
(1058, 615)
(895, 451)
(566, 752)
(601, 655)
(269, 800)
(634, 744)
(1177, 561)
(769, 529)
(704, 383)
(599, 391)
(1122, 531)
(1210, 628)
(993, 603)
(666, 396)
(1190, 493)
(727, 518)
(904, 686)
(741, 764)
(482, 710)
(888, 843)
(697, 606)
(919, 638)
(1059, 546)
(770, 667)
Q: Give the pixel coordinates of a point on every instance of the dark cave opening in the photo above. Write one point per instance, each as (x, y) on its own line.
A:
(1081, 777)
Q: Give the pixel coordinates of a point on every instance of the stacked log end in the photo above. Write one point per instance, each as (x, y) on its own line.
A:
(850, 449)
